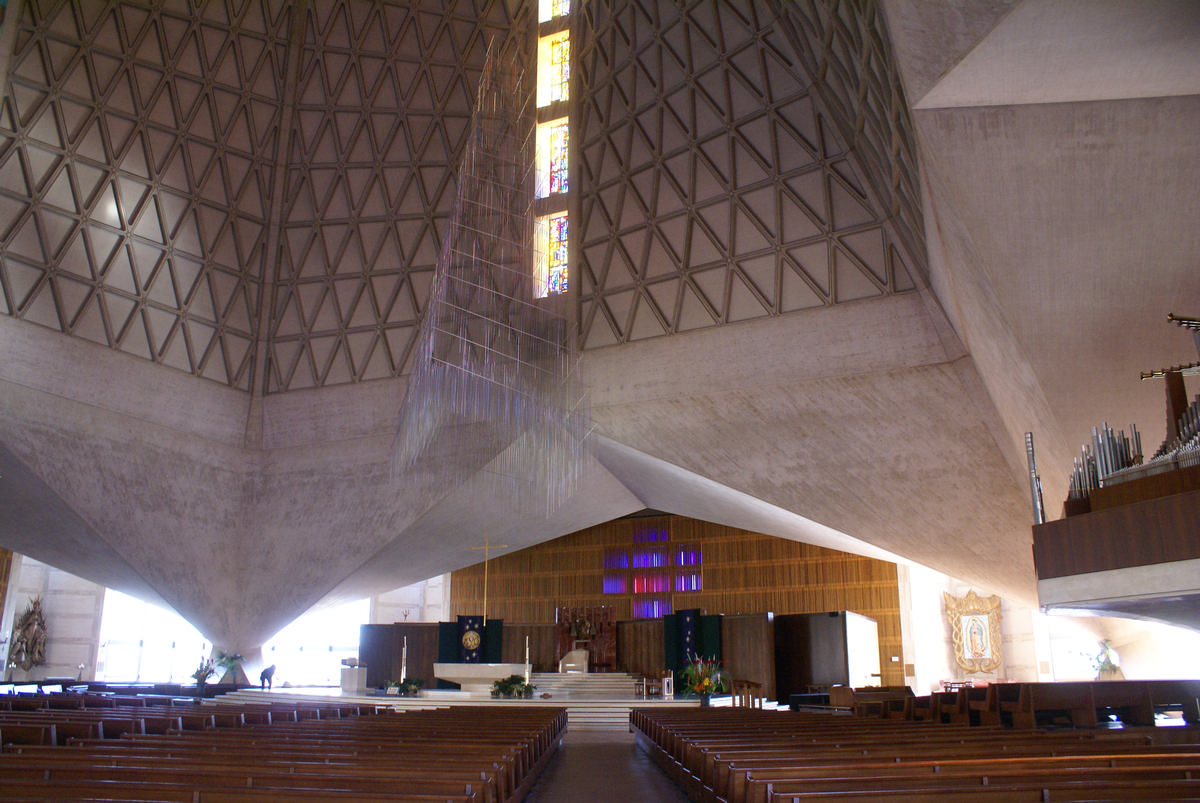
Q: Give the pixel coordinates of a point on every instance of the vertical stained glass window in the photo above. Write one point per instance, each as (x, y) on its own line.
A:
(651, 608)
(549, 9)
(615, 584)
(551, 274)
(554, 69)
(649, 558)
(552, 142)
(651, 583)
(647, 535)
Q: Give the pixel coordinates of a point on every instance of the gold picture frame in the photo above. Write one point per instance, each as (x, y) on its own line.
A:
(975, 628)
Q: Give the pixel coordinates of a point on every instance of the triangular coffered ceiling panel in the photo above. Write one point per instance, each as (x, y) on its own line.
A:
(173, 185)
(748, 140)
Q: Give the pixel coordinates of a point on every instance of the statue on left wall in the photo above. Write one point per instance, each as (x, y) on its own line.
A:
(28, 647)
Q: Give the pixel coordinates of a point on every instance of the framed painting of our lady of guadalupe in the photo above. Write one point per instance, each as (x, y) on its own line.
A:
(975, 628)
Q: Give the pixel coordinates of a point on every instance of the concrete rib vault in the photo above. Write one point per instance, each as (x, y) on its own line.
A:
(831, 261)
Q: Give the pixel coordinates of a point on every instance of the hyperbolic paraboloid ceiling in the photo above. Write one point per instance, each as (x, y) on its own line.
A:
(831, 260)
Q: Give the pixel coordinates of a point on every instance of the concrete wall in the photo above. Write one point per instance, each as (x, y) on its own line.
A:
(72, 607)
(426, 601)
(928, 644)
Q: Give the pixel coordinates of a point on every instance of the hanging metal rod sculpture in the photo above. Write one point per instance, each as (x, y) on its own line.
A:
(495, 381)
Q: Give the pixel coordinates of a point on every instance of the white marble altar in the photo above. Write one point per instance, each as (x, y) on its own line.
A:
(476, 678)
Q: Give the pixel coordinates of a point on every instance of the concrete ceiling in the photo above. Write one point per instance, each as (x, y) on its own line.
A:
(1059, 181)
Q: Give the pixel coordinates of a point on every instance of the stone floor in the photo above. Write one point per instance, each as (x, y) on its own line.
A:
(603, 767)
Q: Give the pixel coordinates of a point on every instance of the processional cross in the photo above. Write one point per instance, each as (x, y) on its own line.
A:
(487, 546)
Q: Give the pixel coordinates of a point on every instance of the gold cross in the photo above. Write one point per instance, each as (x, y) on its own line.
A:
(487, 546)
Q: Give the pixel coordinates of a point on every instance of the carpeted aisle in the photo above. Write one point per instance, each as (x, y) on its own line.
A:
(603, 767)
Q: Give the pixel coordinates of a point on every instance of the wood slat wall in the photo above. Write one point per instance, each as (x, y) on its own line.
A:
(380, 649)
(748, 644)
(6, 562)
(541, 645)
(640, 647)
(743, 573)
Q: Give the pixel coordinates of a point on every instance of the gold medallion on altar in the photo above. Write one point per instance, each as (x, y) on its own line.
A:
(470, 640)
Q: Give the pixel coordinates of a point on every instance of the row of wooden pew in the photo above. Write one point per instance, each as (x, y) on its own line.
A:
(1081, 704)
(230, 753)
(742, 755)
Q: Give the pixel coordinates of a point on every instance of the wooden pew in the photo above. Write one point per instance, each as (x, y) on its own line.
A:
(737, 757)
(730, 771)
(868, 701)
(483, 755)
(1075, 700)
(747, 694)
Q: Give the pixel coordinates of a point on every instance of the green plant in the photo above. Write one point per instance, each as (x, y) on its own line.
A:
(1104, 661)
(227, 660)
(512, 686)
(703, 676)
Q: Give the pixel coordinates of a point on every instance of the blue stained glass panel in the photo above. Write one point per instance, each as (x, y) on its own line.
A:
(557, 252)
(615, 584)
(651, 608)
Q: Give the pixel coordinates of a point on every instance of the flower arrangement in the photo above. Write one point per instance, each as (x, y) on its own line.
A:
(703, 676)
(205, 671)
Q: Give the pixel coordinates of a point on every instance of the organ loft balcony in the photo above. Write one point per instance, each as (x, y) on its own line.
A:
(1129, 540)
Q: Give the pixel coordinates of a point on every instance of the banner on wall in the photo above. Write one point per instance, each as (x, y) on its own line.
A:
(687, 632)
(470, 639)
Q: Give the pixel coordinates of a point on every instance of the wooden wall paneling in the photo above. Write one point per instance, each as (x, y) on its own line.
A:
(1153, 531)
(742, 573)
(422, 649)
(810, 650)
(791, 656)
(380, 649)
(640, 647)
(375, 652)
(748, 648)
(541, 645)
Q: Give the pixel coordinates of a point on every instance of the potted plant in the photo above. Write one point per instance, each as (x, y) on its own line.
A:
(704, 678)
(512, 686)
(411, 687)
(231, 670)
(1105, 663)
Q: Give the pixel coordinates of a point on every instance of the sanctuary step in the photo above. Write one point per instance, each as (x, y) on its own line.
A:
(603, 685)
(594, 702)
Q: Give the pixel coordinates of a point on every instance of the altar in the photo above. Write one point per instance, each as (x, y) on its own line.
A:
(476, 678)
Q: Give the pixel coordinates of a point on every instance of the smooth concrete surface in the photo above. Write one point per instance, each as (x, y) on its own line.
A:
(1060, 222)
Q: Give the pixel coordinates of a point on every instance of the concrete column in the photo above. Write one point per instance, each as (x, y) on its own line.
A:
(925, 636)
